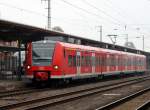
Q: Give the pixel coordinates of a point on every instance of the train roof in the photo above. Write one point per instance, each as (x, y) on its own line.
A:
(90, 48)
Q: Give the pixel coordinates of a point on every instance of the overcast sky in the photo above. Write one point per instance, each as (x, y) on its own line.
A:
(81, 17)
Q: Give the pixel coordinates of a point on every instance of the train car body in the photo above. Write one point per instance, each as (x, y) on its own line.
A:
(47, 60)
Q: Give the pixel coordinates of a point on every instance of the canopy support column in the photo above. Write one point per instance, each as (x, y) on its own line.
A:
(19, 60)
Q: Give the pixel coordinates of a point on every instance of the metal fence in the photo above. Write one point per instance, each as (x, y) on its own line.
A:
(8, 65)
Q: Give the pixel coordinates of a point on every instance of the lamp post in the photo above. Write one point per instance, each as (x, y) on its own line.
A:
(143, 41)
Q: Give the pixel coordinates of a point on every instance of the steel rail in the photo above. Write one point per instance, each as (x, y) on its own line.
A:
(145, 106)
(20, 92)
(122, 100)
(65, 97)
(31, 90)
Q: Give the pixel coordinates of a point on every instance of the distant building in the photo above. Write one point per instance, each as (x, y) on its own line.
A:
(8, 44)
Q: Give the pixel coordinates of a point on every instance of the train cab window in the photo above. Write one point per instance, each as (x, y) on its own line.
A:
(42, 52)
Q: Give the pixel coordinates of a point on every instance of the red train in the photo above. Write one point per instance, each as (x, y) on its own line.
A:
(58, 60)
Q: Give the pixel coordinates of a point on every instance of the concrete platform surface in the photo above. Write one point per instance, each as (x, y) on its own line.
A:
(9, 84)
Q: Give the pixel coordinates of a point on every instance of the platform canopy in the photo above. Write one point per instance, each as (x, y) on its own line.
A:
(12, 31)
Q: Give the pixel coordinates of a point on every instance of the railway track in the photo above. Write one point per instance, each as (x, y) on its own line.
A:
(14, 92)
(20, 92)
(120, 102)
(23, 91)
(145, 106)
(68, 96)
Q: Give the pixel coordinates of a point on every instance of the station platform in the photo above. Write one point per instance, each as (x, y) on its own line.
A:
(11, 84)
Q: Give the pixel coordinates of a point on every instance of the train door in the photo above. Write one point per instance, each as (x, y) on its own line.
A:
(108, 63)
(71, 57)
(116, 63)
(78, 60)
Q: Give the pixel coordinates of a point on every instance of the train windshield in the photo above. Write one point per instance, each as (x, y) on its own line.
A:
(42, 53)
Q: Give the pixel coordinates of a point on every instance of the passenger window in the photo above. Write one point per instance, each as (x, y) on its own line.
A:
(74, 60)
(69, 60)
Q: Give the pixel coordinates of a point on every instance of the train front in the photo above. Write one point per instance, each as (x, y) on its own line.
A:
(39, 60)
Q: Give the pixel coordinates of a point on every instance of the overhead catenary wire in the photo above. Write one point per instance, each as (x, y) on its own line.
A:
(37, 13)
(100, 10)
(64, 20)
(117, 9)
(88, 12)
(21, 9)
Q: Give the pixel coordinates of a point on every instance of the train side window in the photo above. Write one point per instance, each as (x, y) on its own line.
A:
(74, 61)
(96, 61)
(102, 62)
(111, 60)
(64, 53)
(99, 60)
(128, 61)
(70, 60)
(78, 60)
(93, 60)
(108, 60)
(90, 61)
(82, 61)
(119, 61)
(134, 62)
(85, 59)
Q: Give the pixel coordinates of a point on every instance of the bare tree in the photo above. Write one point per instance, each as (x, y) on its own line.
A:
(57, 28)
(130, 45)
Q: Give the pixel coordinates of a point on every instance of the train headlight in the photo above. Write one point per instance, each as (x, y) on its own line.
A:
(28, 67)
(56, 67)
